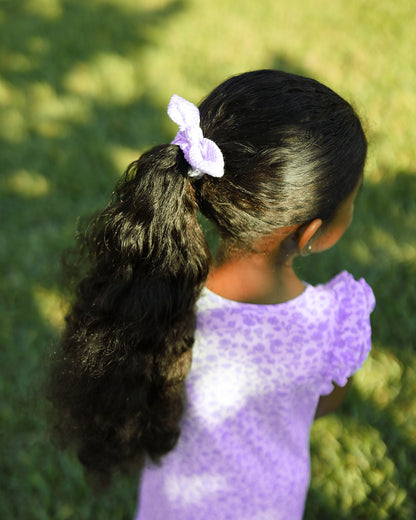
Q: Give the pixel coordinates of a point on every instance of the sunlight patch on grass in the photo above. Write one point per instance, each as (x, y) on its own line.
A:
(395, 250)
(361, 252)
(359, 464)
(48, 9)
(259, 34)
(404, 413)
(27, 184)
(39, 45)
(122, 156)
(380, 379)
(6, 95)
(51, 306)
(107, 77)
(328, 438)
(50, 113)
(143, 5)
(15, 130)
(17, 62)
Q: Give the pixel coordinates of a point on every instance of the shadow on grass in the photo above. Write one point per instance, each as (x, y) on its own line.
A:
(286, 64)
(48, 180)
(43, 42)
(380, 246)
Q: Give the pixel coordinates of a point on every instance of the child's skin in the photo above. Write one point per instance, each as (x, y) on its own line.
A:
(268, 277)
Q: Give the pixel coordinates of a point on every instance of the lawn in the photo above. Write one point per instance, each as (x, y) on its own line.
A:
(84, 87)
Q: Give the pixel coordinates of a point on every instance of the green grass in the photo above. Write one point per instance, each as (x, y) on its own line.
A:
(83, 90)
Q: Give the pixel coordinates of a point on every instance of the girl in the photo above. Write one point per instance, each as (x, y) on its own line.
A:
(220, 365)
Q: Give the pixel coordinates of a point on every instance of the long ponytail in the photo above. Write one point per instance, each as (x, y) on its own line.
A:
(117, 380)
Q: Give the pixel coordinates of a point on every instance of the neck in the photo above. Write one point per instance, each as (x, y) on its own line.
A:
(255, 278)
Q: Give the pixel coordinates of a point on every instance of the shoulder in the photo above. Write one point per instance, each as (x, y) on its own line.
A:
(351, 303)
(345, 291)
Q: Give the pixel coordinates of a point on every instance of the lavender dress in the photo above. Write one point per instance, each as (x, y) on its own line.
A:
(256, 377)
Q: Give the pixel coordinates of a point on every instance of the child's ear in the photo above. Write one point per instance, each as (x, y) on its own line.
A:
(306, 232)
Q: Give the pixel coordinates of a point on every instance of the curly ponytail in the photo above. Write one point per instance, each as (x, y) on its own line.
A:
(117, 382)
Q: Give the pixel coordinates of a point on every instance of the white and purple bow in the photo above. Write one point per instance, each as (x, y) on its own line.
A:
(202, 154)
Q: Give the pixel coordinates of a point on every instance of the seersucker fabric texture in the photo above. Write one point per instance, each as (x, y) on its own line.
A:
(257, 374)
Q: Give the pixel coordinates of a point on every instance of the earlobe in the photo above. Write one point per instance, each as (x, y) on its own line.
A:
(305, 234)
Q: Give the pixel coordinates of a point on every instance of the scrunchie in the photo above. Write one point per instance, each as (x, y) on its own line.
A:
(203, 155)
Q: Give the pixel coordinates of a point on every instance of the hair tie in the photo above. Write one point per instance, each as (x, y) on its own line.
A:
(202, 154)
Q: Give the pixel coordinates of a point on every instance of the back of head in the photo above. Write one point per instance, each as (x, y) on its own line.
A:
(293, 151)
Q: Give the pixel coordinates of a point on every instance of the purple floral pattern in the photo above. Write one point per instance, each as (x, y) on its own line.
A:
(257, 374)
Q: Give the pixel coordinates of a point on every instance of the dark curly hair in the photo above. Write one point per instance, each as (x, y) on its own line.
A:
(293, 151)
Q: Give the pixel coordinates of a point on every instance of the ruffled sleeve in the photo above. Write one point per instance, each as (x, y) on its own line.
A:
(353, 302)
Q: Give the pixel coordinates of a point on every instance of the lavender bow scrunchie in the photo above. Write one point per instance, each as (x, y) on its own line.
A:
(202, 154)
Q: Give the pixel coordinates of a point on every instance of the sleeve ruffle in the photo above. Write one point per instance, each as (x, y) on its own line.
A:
(353, 303)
